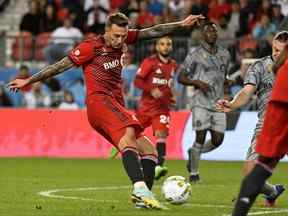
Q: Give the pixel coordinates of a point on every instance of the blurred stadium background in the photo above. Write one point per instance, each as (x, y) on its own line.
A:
(48, 119)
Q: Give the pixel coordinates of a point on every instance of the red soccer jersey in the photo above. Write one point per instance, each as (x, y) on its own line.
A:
(151, 74)
(102, 65)
(280, 89)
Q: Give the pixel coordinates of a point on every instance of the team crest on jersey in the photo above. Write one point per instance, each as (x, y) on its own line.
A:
(158, 71)
(269, 67)
(77, 52)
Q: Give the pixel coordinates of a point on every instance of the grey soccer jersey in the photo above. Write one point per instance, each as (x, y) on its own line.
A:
(209, 68)
(261, 75)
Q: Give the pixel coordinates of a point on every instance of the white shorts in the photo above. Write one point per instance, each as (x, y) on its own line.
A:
(203, 119)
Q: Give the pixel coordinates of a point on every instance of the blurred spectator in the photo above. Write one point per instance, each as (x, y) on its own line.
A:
(283, 4)
(176, 7)
(133, 18)
(234, 21)
(49, 20)
(97, 12)
(264, 28)
(217, 9)
(238, 76)
(247, 42)
(56, 93)
(128, 74)
(199, 8)
(225, 35)
(130, 7)
(145, 18)
(277, 16)
(265, 8)
(68, 101)
(245, 15)
(4, 99)
(30, 22)
(117, 4)
(62, 40)
(42, 5)
(24, 74)
(155, 7)
(37, 97)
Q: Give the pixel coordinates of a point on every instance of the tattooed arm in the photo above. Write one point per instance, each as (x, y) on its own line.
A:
(47, 72)
(167, 28)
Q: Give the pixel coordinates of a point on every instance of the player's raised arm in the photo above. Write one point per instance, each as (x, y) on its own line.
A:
(45, 73)
(167, 28)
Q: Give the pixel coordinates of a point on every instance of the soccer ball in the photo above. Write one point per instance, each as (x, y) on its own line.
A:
(176, 190)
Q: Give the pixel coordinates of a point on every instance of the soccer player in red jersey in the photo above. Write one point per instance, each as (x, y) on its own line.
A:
(272, 142)
(100, 59)
(155, 78)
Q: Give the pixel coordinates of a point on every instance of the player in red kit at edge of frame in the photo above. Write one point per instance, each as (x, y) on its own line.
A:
(272, 142)
(155, 78)
(100, 58)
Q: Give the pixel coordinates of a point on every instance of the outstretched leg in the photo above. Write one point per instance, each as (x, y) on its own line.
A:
(252, 184)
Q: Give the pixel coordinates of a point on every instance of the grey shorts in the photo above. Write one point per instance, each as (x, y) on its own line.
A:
(206, 119)
(251, 154)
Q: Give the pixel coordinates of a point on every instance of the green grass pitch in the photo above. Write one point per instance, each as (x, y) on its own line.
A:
(101, 188)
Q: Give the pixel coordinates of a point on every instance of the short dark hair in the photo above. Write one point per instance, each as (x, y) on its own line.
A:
(207, 23)
(118, 19)
(24, 67)
(281, 36)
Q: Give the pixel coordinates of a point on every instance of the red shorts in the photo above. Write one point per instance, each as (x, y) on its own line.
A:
(159, 122)
(109, 118)
(273, 140)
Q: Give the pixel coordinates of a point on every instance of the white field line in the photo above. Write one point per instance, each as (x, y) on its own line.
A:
(268, 212)
(51, 194)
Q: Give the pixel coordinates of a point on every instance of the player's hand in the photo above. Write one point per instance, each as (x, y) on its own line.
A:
(224, 106)
(192, 20)
(156, 93)
(173, 100)
(17, 84)
(204, 87)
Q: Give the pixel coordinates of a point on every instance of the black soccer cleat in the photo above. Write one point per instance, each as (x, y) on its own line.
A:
(194, 178)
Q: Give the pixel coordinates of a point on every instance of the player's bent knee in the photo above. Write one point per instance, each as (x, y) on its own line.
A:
(145, 146)
(270, 162)
(161, 134)
(217, 140)
(128, 139)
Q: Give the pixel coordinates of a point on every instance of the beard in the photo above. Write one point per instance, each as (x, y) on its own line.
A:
(165, 55)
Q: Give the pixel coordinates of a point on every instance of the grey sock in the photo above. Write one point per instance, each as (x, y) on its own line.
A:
(207, 147)
(268, 189)
(195, 157)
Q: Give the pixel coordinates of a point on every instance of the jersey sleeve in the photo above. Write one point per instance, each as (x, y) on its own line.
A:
(144, 69)
(253, 74)
(132, 36)
(142, 74)
(82, 53)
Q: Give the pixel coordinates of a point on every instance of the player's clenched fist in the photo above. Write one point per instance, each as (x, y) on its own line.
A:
(156, 93)
(224, 106)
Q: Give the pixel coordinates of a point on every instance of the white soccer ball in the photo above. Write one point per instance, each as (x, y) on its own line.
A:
(176, 190)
